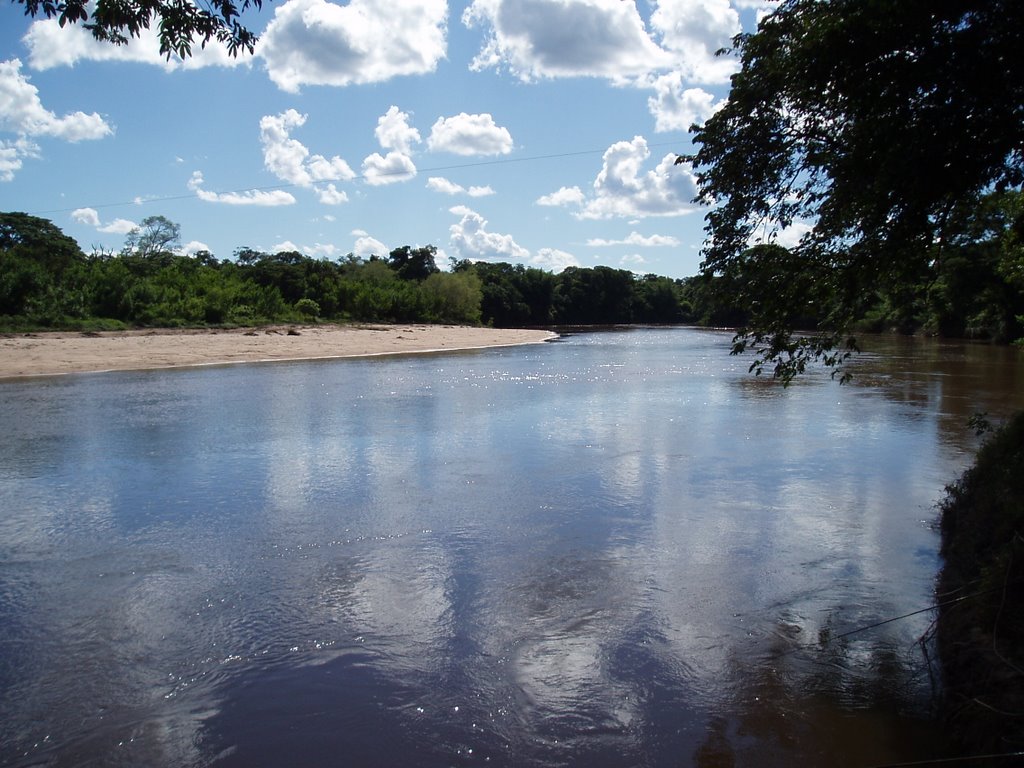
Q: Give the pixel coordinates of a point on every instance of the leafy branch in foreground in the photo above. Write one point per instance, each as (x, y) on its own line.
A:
(181, 24)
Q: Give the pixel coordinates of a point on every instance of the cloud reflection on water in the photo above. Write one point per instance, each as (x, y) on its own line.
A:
(583, 551)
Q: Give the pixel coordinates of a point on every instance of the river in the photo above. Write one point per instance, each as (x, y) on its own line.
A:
(617, 549)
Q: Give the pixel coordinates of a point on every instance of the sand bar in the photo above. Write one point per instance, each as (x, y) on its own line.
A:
(47, 354)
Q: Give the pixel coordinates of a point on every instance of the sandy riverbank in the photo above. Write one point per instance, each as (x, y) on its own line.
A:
(44, 354)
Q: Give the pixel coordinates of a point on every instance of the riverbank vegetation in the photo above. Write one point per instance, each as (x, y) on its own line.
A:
(48, 282)
(980, 631)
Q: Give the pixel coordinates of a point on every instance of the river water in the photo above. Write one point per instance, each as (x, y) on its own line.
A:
(618, 549)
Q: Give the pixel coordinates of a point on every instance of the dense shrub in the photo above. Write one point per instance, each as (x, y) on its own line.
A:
(981, 634)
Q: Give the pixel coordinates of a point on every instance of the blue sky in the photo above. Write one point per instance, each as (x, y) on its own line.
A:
(539, 132)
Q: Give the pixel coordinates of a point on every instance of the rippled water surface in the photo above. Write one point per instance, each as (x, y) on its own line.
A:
(617, 549)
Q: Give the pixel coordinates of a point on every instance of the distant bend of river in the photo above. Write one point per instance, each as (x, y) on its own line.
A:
(619, 549)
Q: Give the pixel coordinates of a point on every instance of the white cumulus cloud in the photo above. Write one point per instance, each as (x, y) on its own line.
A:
(315, 42)
(676, 108)
(90, 217)
(394, 132)
(388, 169)
(636, 239)
(322, 250)
(331, 195)
(670, 55)
(290, 160)
(12, 155)
(118, 226)
(536, 39)
(366, 246)
(447, 187)
(692, 30)
(465, 134)
(565, 196)
(22, 113)
(444, 186)
(623, 189)
(554, 260)
(258, 197)
(192, 247)
(632, 261)
(471, 239)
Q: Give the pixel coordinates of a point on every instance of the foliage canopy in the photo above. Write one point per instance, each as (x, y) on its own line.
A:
(874, 124)
(38, 238)
(47, 282)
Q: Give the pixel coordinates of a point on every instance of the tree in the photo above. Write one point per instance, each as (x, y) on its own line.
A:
(595, 296)
(34, 257)
(657, 300)
(453, 297)
(155, 235)
(181, 24)
(869, 124)
(413, 263)
(204, 257)
(308, 308)
(978, 292)
(39, 239)
(248, 256)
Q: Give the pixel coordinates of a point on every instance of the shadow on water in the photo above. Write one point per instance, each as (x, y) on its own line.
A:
(830, 702)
